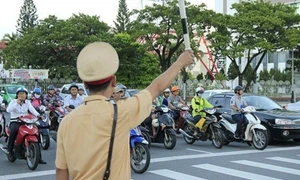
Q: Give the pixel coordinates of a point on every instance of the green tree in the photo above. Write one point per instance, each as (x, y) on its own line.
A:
(234, 71)
(221, 75)
(55, 44)
(256, 28)
(137, 66)
(122, 23)
(200, 77)
(159, 28)
(28, 17)
(264, 75)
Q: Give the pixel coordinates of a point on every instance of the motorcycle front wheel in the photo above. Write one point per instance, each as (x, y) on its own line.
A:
(187, 128)
(217, 140)
(262, 139)
(141, 161)
(33, 155)
(45, 141)
(170, 140)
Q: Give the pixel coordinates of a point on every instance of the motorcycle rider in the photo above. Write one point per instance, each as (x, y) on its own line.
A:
(73, 98)
(81, 92)
(117, 94)
(198, 103)
(50, 99)
(57, 92)
(36, 98)
(166, 95)
(237, 103)
(19, 107)
(173, 102)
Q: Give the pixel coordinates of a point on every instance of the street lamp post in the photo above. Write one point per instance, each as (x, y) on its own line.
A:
(293, 99)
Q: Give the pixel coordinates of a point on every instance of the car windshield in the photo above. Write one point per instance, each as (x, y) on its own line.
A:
(206, 94)
(12, 89)
(261, 102)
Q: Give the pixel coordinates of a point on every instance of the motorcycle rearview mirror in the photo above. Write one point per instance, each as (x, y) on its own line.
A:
(72, 107)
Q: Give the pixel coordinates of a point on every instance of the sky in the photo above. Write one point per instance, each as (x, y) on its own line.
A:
(63, 9)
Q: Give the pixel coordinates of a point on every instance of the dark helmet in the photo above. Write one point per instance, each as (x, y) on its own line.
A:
(73, 85)
(238, 88)
(37, 90)
(51, 87)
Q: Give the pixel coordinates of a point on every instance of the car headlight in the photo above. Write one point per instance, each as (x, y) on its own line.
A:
(283, 121)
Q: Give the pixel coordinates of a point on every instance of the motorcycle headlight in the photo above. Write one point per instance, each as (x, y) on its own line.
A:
(283, 121)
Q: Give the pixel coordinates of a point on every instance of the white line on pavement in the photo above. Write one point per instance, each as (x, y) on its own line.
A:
(27, 175)
(174, 175)
(269, 167)
(233, 172)
(172, 158)
(294, 161)
(231, 153)
(198, 151)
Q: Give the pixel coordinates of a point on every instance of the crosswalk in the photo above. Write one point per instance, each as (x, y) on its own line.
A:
(269, 168)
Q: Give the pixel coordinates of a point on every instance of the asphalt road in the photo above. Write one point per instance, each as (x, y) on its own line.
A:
(189, 162)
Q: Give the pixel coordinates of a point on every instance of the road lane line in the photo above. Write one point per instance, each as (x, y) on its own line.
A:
(233, 172)
(198, 151)
(27, 175)
(269, 167)
(231, 153)
(288, 160)
(174, 175)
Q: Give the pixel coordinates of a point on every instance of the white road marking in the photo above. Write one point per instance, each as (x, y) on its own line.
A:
(293, 161)
(174, 175)
(27, 175)
(196, 150)
(269, 167)
(233, 172)
(166, 159)
(230, 153)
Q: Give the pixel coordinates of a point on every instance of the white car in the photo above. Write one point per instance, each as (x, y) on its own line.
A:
(293, 106)
(64, 90)
(208, 93)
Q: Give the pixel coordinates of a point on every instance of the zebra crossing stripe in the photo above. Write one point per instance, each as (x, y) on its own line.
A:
(268, 166)
(288, 160)
(233, 172)
(174, 175)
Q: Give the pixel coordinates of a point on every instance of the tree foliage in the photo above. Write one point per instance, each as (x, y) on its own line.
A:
(122, 23)
(55, 44)
(137, 67)
(256, 28)
(233, 72)
(276, 75)
(159, 28)
(28, 17)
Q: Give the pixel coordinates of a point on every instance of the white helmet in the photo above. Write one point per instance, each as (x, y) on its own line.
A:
(167, 90)
(155, 123)
(199, 90)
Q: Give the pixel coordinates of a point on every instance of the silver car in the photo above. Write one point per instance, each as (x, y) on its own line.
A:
(64, 90)
(293, 106)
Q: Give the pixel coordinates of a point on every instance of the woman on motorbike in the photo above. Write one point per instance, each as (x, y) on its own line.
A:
(198, 103)
(36, 98)
(17, 108)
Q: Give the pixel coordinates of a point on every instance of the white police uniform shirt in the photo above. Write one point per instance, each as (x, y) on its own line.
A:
(17, 110)
(75, 102)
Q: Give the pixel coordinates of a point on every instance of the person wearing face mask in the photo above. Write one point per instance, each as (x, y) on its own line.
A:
(36, 99)
(198, 103)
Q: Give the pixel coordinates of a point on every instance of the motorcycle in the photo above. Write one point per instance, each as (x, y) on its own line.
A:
(59, 113)
(254, 132)
(43, 125)
(164, 127)
(28, 139)
(146, 135)
(2, 122)
(139, 152)
(211, 129)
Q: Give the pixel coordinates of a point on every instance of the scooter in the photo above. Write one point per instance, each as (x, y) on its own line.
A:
(164, 127)
(211, 130)
(59, 113)
(139, 151)
(43, 125)
(254, 132)
(27, 141)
